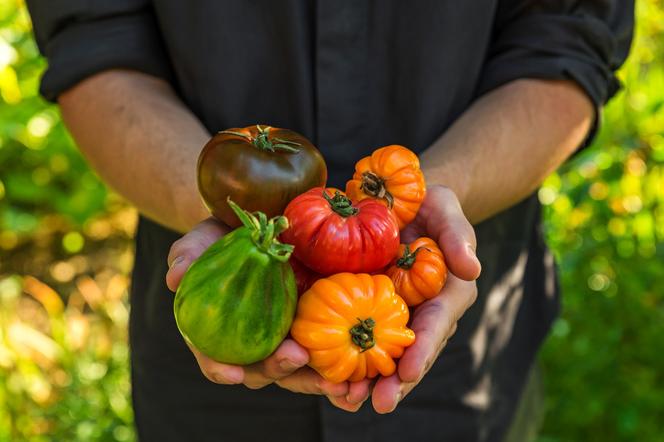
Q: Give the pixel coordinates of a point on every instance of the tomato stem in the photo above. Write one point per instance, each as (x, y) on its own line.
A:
(374, 186)
(341, 204)
(408, 258)
(362, 334)
(264, 232)
(263, 142)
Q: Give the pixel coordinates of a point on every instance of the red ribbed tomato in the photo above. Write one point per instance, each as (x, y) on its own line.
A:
(333, 235)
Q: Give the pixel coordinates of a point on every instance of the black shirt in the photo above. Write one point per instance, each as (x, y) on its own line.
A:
(352, 75)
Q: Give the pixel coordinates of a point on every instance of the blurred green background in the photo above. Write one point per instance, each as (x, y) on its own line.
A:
(66, 252)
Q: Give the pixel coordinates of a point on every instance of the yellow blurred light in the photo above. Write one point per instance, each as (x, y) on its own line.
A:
(73, 242)
(2, 190)
(578, 216)
(78, 329)
(638, 100)
(41, 176)
(8, 54)
(8, 240)
(547, 195)
(632, 203)
(59, 163)
(10, 288)
(9, 89)
(62, 271)
(40, 390)
(6, 357)
(617, 227)
(90, 290)
(60, 378)
(98, 229)
(23, 337)
(44, 294)
(599, 190)
(599, 282)
(588, 169)
(40, 125)
(636, 166)
(562, 204)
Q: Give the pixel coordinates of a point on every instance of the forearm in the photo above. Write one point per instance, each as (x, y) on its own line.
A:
(142, 140)
(501, 149)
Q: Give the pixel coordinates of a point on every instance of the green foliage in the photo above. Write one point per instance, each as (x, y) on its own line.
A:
(603, 364)
(63, 355)
(42, 172)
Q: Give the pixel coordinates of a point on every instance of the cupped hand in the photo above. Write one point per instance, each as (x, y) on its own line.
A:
(286, 366)
(434, 321)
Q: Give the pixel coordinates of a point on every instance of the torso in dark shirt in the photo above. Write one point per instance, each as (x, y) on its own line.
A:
(352, 76)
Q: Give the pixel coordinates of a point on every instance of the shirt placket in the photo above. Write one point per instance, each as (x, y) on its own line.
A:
(341, 59)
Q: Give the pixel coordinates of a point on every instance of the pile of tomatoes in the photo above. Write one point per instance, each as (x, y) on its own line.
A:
(354, 278)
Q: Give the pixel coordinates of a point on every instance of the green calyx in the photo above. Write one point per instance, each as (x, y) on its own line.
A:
(264, 232)
(262, 141)
(408, 258)
(341, 204)
(362, 334)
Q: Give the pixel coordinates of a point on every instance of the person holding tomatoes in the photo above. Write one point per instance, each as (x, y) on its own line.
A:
(492, 99)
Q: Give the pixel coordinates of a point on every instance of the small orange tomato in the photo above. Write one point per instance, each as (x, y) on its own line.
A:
(353, 325)
(419, 271)
(392, 175)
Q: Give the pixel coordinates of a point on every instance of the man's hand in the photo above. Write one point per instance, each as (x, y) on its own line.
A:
(435, 320)
(286, 366)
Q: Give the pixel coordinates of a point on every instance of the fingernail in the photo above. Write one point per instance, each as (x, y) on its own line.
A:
(288, 365)
(348, 399)
(176, 261)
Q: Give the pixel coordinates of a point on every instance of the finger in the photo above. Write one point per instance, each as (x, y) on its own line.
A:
(411, 232)
(445, 220)
(434, 321)
(342, 403)
(218, 372)
(192, 245)
(306, 380)
(287, 358)
(358, 392)
(386, 394)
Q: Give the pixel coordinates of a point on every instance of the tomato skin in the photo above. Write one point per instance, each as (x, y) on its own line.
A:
(391, 175)
(257, 179)
(329, 243)
(419, 272)
(304, 276)
(329, 315)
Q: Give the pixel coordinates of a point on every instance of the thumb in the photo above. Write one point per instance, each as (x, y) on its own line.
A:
(187, 249)
(446, 222)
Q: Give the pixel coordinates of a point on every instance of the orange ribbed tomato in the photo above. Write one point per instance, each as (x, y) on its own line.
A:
(392, 175)
(419, 271)
(353, 325)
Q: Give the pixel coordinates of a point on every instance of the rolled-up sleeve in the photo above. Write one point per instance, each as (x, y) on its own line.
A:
(581, 40)
(80, 38)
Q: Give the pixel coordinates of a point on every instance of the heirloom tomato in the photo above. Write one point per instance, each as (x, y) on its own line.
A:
(419, 271)
(236, 302)
(261, 168)
(353, 326)
(304, 276)
(392, 175)
(332, 235)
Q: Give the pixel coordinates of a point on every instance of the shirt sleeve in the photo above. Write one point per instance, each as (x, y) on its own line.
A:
(581, 40)
(80, 38)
